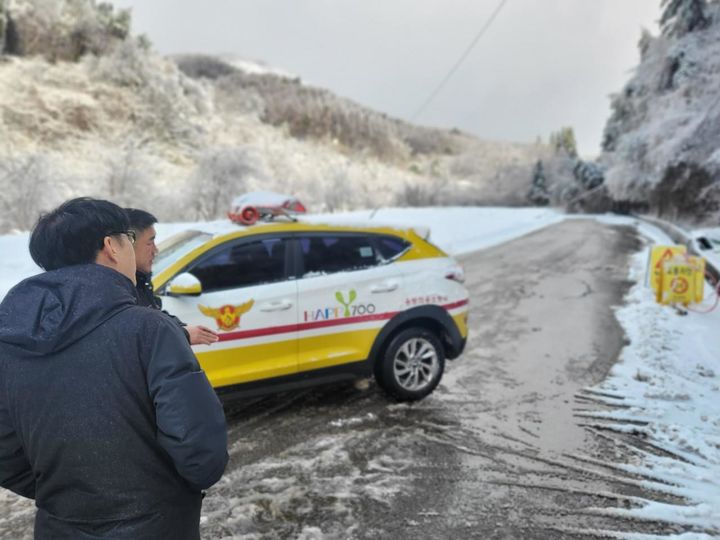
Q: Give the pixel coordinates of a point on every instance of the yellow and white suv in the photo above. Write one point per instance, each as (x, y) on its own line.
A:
(298, 304)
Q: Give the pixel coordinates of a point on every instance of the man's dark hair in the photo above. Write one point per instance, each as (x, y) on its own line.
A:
(74, 232)
(140, 219)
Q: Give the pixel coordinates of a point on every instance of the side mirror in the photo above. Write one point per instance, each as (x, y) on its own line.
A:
(184, 285)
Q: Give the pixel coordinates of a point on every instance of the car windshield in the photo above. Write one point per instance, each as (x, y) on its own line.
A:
(176, 247)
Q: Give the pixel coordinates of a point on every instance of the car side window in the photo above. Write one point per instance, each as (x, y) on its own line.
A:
(390, 247)
(243, 265)
(326, 254)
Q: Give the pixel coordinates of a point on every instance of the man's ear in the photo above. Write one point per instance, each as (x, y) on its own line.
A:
(109, 249)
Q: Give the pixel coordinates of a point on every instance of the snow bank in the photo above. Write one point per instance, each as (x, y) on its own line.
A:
(669, 376)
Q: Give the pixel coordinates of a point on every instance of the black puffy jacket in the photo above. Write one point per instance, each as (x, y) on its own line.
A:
(106, 419)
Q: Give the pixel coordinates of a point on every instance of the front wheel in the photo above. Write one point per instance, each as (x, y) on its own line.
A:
(412, 365)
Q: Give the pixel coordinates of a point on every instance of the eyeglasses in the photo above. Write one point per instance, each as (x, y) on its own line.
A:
(130, 234)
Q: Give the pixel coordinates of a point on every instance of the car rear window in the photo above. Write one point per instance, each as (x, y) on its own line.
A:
(390, 247)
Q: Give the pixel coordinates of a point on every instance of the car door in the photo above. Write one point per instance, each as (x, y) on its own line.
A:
(346, 292)
(250, 299)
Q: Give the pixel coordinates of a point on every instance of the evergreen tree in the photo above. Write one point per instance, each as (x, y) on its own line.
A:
(682, 16)
(539, 175)
(538, 193)
(564, 140)
(589, 174)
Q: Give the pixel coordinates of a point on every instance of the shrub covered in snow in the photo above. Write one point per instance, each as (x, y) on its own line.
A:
(221, 174)
(61, 29)
(29, 187)
(172, 103)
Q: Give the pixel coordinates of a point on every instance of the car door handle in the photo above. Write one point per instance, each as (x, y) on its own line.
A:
(282, 305)
(388, 286)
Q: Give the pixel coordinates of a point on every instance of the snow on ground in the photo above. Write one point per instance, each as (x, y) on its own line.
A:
(255, 67)
(668, 376)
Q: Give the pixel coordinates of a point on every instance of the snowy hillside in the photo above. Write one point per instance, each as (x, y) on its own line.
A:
(661, 142)
(108, 117)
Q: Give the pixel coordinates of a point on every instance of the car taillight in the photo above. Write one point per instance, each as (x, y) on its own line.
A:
(456, 275)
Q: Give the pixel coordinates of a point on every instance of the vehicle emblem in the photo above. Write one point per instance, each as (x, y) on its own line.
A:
(228, 316)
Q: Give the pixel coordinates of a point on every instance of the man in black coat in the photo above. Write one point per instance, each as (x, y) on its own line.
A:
(143, 223)
(106, 419)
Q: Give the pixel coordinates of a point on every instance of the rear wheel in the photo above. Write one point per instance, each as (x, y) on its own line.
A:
(412, 364)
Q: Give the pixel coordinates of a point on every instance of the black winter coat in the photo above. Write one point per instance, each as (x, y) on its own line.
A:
(106, 419)
(145, 291)
(146, 297)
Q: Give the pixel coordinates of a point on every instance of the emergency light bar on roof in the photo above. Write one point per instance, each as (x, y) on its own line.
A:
(249, 208)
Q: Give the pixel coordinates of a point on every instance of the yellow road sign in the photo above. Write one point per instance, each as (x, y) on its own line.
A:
(658, 256)
(682, 280)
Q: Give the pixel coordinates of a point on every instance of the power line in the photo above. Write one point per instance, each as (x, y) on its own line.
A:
(460, 61)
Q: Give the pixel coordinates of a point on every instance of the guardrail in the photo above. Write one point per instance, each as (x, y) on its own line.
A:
(681, 236)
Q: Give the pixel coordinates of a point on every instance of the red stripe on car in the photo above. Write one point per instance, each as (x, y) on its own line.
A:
(273, 330)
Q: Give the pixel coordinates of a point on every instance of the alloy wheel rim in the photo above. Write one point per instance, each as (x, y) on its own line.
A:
(416, 364)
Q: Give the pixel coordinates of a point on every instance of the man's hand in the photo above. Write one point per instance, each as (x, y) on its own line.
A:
(201, 335)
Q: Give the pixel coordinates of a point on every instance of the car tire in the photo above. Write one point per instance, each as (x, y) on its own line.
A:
(411, 365)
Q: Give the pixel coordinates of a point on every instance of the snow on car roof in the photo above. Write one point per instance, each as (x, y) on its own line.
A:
(261, 198)
(225, 226)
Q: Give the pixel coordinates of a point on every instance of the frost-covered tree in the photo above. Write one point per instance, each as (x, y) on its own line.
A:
(645, 42)
(171, 100)
(682, 16)
(64, 29)
(221, 174)
(538, 193)
(127, 179)
(589, 174)
(27, 187)
(338, 192)
(660, 143)
(425, 194)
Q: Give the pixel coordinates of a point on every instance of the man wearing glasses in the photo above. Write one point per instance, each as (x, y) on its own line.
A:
(143, 225)
(106, 419)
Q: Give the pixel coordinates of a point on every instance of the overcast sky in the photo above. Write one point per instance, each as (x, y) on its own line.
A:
(541, 65)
